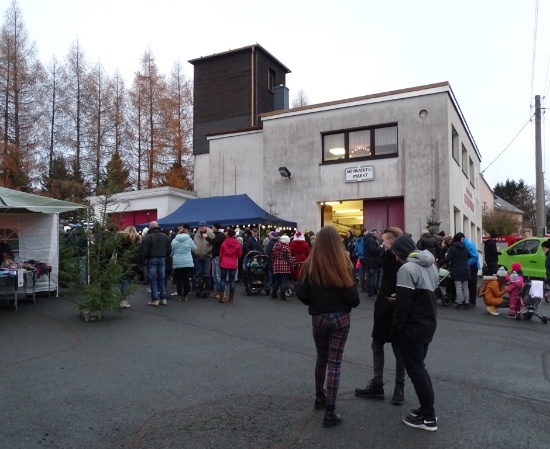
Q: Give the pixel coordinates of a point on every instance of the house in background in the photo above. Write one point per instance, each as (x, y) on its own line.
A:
(141, 206)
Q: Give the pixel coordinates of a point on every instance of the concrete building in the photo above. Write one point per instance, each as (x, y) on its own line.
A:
(370, 161)
(140, 206)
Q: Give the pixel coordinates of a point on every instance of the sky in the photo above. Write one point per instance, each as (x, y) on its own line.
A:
(494, 53)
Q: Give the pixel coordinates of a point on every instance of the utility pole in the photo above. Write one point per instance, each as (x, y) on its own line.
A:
(541, 209)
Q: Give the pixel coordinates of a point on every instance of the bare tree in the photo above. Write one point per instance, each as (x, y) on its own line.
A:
(300, 99)
(21, 75)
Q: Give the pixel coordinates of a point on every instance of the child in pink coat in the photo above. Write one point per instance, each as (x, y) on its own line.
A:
(514, 292)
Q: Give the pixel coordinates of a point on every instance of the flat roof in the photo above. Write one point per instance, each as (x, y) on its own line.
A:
(238, 50)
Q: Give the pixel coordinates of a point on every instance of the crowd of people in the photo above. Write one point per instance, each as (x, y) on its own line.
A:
(399, 274)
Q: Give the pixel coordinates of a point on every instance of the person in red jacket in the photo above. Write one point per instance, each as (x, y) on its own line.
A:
(299, 249)
(230, 251)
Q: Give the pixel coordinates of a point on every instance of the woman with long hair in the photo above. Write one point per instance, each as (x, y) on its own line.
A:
(327, 286)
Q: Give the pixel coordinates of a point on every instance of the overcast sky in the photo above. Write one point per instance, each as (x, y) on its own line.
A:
(336, 50)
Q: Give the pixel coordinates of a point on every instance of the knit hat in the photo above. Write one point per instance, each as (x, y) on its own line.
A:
(202, 223)
(375, 230)
(284, 239)
(231, 232)
(424, 231)
(516, 266)
(441, 233)
(217, 226)
(514, 277)
(501, 272)
(273, 235)
(402, 246)
(299, 236)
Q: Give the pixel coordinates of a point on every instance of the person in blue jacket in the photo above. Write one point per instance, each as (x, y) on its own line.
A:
(473, 263)
(182, 262)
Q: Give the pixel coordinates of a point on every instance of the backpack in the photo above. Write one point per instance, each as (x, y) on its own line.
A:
(482, 289)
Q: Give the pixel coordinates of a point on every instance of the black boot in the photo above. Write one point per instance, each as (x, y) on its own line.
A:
(320, 400)
(398, 394)
(282, 297)
(374, 390)
(274, 293)
(331, 419)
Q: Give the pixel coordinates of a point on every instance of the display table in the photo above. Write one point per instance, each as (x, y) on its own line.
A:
(17, 283)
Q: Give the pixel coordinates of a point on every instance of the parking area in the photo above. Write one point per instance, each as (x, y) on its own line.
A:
(206, 375)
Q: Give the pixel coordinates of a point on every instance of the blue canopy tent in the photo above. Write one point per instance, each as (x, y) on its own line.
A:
(229, 210)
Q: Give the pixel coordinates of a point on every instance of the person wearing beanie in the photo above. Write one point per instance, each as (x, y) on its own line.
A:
(372, 249)
(514, 294)
(216, 243)
(273, 238)
(381, 330)
(203, 254)
(457, 259)
(473, 262)
(155, 248)
(282, 266)
(493, 289)
(414, 324)
(299, 249)
(328, 288)
(230, 252)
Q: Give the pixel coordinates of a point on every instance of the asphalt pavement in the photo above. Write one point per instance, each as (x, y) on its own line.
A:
(201, 374)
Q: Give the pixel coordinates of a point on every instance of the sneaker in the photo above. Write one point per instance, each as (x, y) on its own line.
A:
(163, 302)
(124, 304)
(148, 290)
(374, 390)
(183, 298)
(153, 303)
(421, 422)
(174, 294)
(398, 394)
(492, 310)
(416, 412)
(331, 419)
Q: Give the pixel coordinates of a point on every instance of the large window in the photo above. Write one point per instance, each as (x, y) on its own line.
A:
(366, 143)
(455, 150)
(465, 161)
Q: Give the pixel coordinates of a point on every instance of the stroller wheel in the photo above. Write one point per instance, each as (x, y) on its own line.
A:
(289, 292)
(517, 317)
(447, 300)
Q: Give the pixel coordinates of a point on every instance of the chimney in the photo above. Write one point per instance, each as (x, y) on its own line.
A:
(280, 97)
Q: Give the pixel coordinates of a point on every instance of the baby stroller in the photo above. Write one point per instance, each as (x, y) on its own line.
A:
(255, 272)
(294, 277)
(202, 286)
(446, 282)
(532, 293)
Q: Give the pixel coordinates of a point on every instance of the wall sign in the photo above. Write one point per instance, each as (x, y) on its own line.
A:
(362, 173)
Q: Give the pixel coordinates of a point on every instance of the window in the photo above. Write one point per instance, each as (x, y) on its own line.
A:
(366, 143)
(271, 79)
(464, 161)
(455, 145)
(472, 172)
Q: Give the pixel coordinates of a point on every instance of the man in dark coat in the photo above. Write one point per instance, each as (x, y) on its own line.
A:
(381, 331)
(491, 254)
(155, 248)
(429, 242)
(371, 252)
(216, 243)
(252, 243)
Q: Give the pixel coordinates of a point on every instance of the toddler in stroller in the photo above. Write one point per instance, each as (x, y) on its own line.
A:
(255, 272)
(532, 294)
(446, 282)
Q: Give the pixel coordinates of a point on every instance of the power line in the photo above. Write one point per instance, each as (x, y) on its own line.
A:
(507, 146)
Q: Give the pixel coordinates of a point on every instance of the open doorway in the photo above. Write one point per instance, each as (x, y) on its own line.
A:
(343, 215)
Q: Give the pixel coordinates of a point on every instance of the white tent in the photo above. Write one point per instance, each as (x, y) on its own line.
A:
(35, 221)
